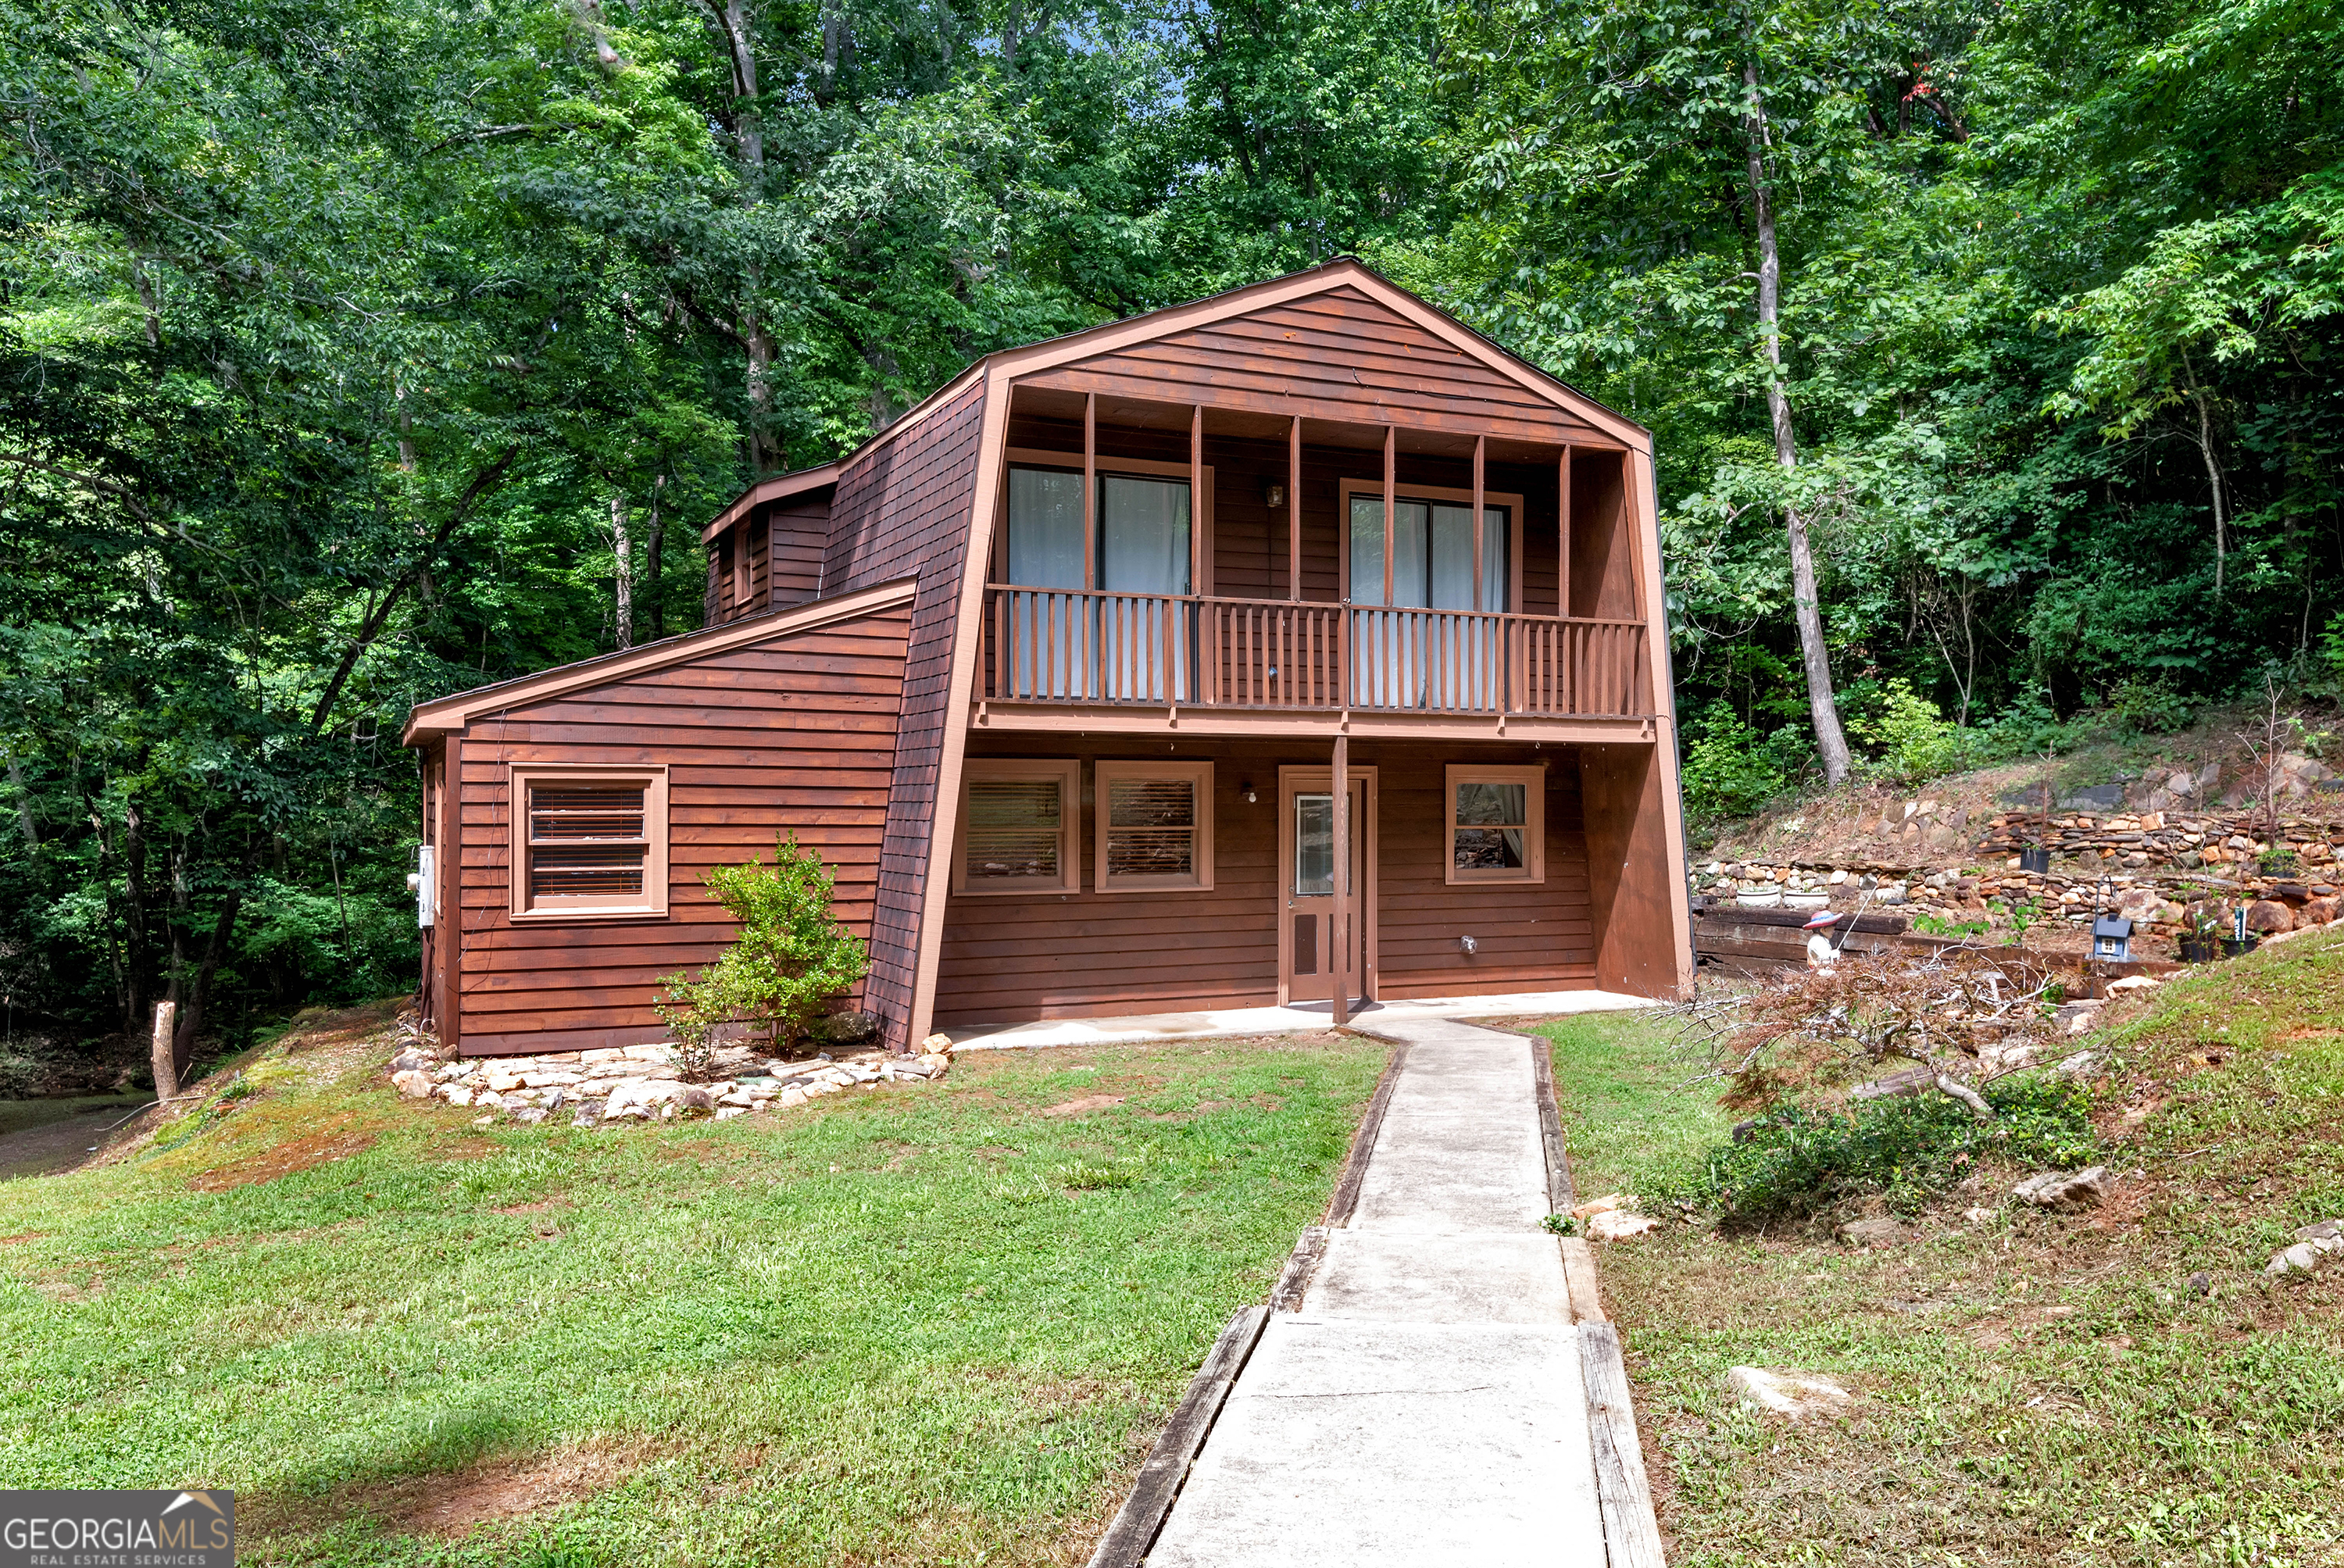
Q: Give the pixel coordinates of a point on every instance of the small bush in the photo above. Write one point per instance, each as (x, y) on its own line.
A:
(1794, 1162)
(789, 959)
(1911, 739)
(1730, 771)
(2151, 707)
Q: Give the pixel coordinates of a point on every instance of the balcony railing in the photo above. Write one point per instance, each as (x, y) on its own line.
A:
(1071, 646)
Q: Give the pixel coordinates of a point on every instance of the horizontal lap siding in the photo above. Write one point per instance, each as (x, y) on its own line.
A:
(1340, 350)
(1527, 937)
(800, 535)
(1051, 956)
(795, 734)
(902, 511)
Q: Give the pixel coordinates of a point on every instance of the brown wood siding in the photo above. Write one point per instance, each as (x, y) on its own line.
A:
(798, 536)
(795, 733)
(902, 510)
(1007, 959)
(1603, 545)
(1337, 354)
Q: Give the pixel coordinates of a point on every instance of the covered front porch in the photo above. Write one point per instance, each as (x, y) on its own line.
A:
(1228, 878)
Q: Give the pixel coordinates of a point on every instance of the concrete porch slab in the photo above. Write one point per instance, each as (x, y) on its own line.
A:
(1306, 1017)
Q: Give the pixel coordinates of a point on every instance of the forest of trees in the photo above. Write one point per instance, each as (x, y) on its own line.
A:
(360, 352)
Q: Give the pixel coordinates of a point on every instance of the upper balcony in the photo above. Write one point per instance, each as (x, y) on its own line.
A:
(1208, 567)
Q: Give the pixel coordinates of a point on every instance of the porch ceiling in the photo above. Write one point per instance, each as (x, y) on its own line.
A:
(1447, 440)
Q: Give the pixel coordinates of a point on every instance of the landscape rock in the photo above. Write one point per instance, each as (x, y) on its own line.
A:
(936, 1044)
(2200, 1284)
(844, 1029)
(1977, 1216)
(2325, 1230)
(1619, 1225)
(1596, 1205)
(413, 1082)
(1872, 1233)
(2269, 916)
(2304, 1256)
(2082, 1189)
(1791, 1394)
(413, 1058)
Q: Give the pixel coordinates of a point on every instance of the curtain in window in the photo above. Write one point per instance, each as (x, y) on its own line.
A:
(1492, 827)
(1404, 653)
(1144, 550)
(1050, 646)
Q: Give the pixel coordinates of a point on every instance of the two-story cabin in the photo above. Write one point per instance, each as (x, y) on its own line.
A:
(1296, 644)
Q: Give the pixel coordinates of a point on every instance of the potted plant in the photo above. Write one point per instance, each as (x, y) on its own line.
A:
(2200, 932)
(2037, 858)
(2240, 941)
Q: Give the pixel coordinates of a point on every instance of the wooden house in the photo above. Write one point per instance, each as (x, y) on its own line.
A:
(1298, 644)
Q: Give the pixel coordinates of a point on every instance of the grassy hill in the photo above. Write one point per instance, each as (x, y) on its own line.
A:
(911, 1324)
(2031, 1388)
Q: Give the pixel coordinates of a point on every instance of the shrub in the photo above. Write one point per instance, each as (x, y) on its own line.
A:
(1911, 739)
(1793, 1162)
(1730, 771)
(788, 960)
(2151, 707)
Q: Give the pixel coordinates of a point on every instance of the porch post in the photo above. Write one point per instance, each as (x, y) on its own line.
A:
(1562, 535)
(1090, 479)
(1294, 508)
(1196, 499)
(1479, 443)
(1343, 923)
(1391, 485)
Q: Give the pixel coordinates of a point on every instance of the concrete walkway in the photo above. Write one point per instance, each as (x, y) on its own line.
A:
(1379, 1018)
(1428, 1402)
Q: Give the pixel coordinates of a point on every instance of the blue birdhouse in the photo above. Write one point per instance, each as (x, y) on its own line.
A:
(2112, 939)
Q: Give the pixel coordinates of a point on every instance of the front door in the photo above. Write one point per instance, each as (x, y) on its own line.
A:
(1307, 930)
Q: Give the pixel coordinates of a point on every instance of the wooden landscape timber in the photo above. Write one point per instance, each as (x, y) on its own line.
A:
(1211, 636)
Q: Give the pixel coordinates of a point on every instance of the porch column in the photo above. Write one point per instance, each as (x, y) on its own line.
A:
(1479, 444)
(1391, 485)
(1294, 508)
(1562, 534)
(1342, 922)
(1090, 481)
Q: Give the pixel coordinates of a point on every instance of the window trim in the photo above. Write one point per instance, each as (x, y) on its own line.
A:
(653, 777)
(1532, 774)
(1200, 512)
(1068, 771)
(1200, 775)
(1374, 489)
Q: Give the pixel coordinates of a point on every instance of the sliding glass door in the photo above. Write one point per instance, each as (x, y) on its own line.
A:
(1143, 556)
(1130, 639)
(1400, 653)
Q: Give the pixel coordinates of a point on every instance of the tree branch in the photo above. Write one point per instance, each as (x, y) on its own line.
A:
(371, 627)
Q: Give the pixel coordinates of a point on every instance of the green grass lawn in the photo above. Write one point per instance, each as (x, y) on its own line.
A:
(914, 1324)
(2031, 1389)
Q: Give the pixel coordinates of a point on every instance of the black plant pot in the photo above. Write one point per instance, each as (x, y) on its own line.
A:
(2196, 951)
(2238, 946)
(2037, 860)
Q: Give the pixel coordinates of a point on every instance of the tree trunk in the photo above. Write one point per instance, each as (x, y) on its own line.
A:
(739, 26)
(198, 994)
(2213, 474)
(24, 804)
(653, 543)
(1821, 702)
(622, 574)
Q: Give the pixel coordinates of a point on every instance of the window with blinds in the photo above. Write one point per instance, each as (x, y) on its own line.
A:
(1154, 826)
(589, 846)
(1017, 821)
